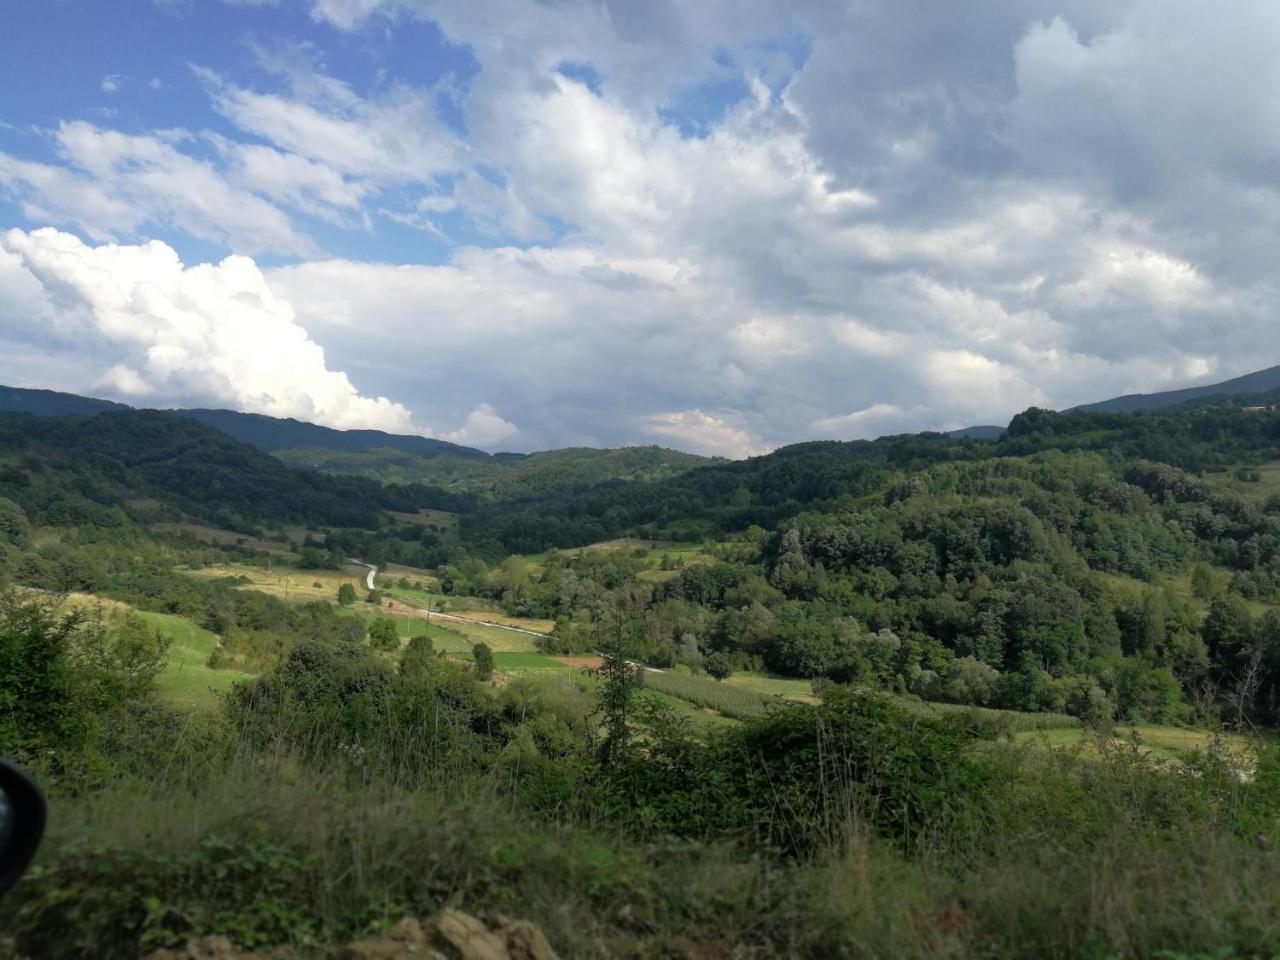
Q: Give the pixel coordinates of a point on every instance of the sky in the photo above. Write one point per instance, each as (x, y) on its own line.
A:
(716, 226)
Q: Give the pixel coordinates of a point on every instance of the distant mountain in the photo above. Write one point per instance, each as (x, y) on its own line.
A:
(503, 475)
(50, 403)
(72, 470)
(396, 458)
(976, 433)
(275, 433)
(265, 433)
(1257, 382)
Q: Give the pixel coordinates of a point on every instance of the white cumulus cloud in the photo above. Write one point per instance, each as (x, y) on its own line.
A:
(212, 333)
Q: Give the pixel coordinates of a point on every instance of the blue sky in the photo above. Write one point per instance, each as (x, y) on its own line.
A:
(717, 226)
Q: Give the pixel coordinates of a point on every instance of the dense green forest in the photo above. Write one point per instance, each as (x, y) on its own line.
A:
(1020, 574)
(503, 476)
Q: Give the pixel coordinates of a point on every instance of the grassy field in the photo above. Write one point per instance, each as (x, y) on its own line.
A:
(281, 548)
(1165, 743)
(651, 551)
(424, 598)
(454, 634)
(467, 608)
(290, 584)
(428, 518)
(443, 637)
(746, 695)
(702, 691)
(1254, 490)
(773, 686)
(186, 681)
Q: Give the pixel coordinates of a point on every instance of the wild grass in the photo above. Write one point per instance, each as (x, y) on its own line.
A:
(186, 680)
(1074, 857)
(709, 694)
(288, 583)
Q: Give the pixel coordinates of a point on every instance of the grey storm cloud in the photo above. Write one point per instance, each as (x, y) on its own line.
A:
(918, 216)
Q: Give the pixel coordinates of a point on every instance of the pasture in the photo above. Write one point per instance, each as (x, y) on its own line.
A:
(282, 548)
(1257, 491)
(187, 681)
(288, 583)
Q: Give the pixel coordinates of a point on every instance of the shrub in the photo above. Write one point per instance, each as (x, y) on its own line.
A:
(483, 661)
(383, 634)
(799, 776)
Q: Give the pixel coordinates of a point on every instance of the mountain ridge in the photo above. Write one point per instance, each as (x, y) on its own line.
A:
(1259, 381)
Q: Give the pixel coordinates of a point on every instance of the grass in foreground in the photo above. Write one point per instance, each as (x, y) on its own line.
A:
(1072, 864)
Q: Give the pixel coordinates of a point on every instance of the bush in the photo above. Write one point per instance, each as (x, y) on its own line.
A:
(483, 661)
(383, 634)
(800, 775)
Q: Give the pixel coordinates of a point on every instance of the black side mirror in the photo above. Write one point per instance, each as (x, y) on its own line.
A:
(22, 815)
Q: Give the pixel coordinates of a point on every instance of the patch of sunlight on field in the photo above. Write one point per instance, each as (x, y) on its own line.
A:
(423, 598)
(443, 638)
(650, 551)
(470, 632)
(186, 681)
(1180, 586)
(475, 611)
(1167, 743)
(791, 689)
(287, 583)
(92, 605)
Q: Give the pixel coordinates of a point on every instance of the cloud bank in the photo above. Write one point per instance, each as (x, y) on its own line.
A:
(719, 226)
(208, 333)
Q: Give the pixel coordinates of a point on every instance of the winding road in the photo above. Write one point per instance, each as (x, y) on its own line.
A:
(372, 570)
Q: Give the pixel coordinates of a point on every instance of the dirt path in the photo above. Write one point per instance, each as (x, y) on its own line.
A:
(400, 607)
(372, 570)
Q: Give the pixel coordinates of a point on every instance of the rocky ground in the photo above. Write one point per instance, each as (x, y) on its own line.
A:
(448, 935)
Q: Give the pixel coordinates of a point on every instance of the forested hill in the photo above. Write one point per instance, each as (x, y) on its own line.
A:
(1260, 381)
(50, 403)
(504, 475)
(821, 475)
(68, 471)
(276, 433)
(399, 458)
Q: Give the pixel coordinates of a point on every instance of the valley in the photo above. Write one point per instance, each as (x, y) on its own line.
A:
(986, 670)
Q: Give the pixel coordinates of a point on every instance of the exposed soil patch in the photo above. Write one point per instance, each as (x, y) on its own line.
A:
(585, 663)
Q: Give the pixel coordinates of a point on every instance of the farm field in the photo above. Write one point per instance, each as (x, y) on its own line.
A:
(476, 611)
(423, 598)
(215, 535)
(737, 702)
(460, 633)
(289, 584)
(745, 695)
(773, 686)
(390, 572)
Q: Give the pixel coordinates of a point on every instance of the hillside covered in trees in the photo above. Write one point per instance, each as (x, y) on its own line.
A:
(922, 602)
(1034, 573)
